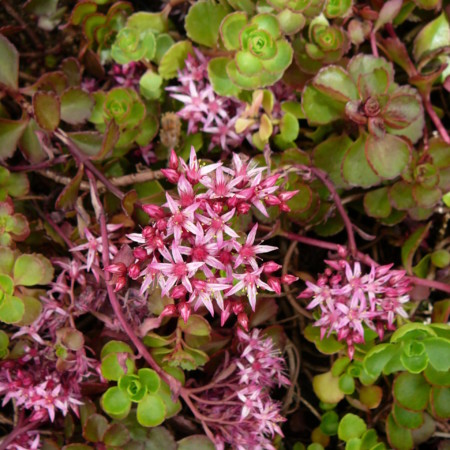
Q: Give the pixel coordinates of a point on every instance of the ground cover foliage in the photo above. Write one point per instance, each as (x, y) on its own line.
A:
(224, 224)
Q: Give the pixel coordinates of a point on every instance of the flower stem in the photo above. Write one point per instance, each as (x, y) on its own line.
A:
(174, 384)
(434, 117)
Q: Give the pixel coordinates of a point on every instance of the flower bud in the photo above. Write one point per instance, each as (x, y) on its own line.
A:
(184, 310)
(178, 292)
(270, 267)
(288, 279)
(243, 320)
(275, 284)
(140, 253)
(272, 200)
(117, 268)
(243, 208)
(154, 211)
(173, 160)
(287, 195)
(270, 181)
(120, 284)
(172, 175)
(134, 271)
(161, 224)
(169, 310)
(237, 307)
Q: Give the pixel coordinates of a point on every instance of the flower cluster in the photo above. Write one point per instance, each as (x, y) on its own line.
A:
(348, 299)
(31, 440)
(127, 75)
(191, 249)
(240, 408)
(35, 384)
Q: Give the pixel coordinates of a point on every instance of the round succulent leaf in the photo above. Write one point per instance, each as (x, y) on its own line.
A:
(4, 340)
(376, 203)
(230, 29)
(441, 258)
(436, 347)
(11, 131)
(261, 44)
(400, 195)
(439, 152)
(174, 59)
(414, 356)
(326, 387)
(196, 325)
(12, 308)
(319, 108)
(440, 402)
(46, 107)
(76, 106)
(221, 82)
(95, 428)
(346, 384)
(401, 110)
(338, 8)
(336, 83)
(158, 438)
(17, 184)
(289, 127)
(242, 81)
(398, 437)
(195, 442)
(364, 64)
(129, 47)
(33, 309)
(151, 411)
(426, 197)
(6, 284)
(437, 377)
(355, 169)
(411, 391)
(425, 431)
(118, 104)
(340, 365)
(247, 63)
(116, 403)
(328, 156)
(281, 60)
(164, 393)
(373, 84)
(9, 70)
(115, 347)
(329, 423)
(132, 385)
(405, 418)
(290, 22)
(150, 85)
(302, 200)
(351, 426)
(203, 21)
(377, 358)
(267, 22)
(388, 156)
(116, 435)
(150, 379)
(369, 440)
(145, 21)
(29, 270)
(163, 43)
(112, 368)
(371, 396)
(434, 35)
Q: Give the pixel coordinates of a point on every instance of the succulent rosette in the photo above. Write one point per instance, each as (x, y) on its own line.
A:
(261, 53)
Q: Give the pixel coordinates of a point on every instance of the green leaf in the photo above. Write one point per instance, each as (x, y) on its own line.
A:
(12, 309)
(414, 357)
(174, 59)
(69, 195)
(401, 196)
(46, 106)
(436, 347)
(9, 69)
(425, 197)
(116, 403)
(330, 422)
(10, 133)
(411, 245)
(151, 411)
(195, 442)
(30, 145)
(28, 270)
(145, 21)
(230, 29)
(326, 387)
(76, 106)
(434, 35)
(411, 391)
(441, 258)
(387, 13)
(112, 369)
(351, 426)
(436, 377)
(196, 325)
(377, 358)
(217, 73)
(202, 22)
(440, 402)
(346, 384)
(282, 60)
(150, 379)
(172, 407)
(289, 127)
(150, 85)
(399, 438)
(338, 8)
(405, 418)
(401, 111)
(116, 435)
(33, 309)
(363, 64)
(355, 168)
(291, 22)
(319, 108)
(371, 396)
(387, 156)
(335, 82)
(376, 203)
(95, 428)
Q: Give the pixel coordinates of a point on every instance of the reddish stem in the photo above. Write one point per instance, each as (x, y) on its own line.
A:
(18, 431)
(174, 384)
(434, 117)
(373, 44)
